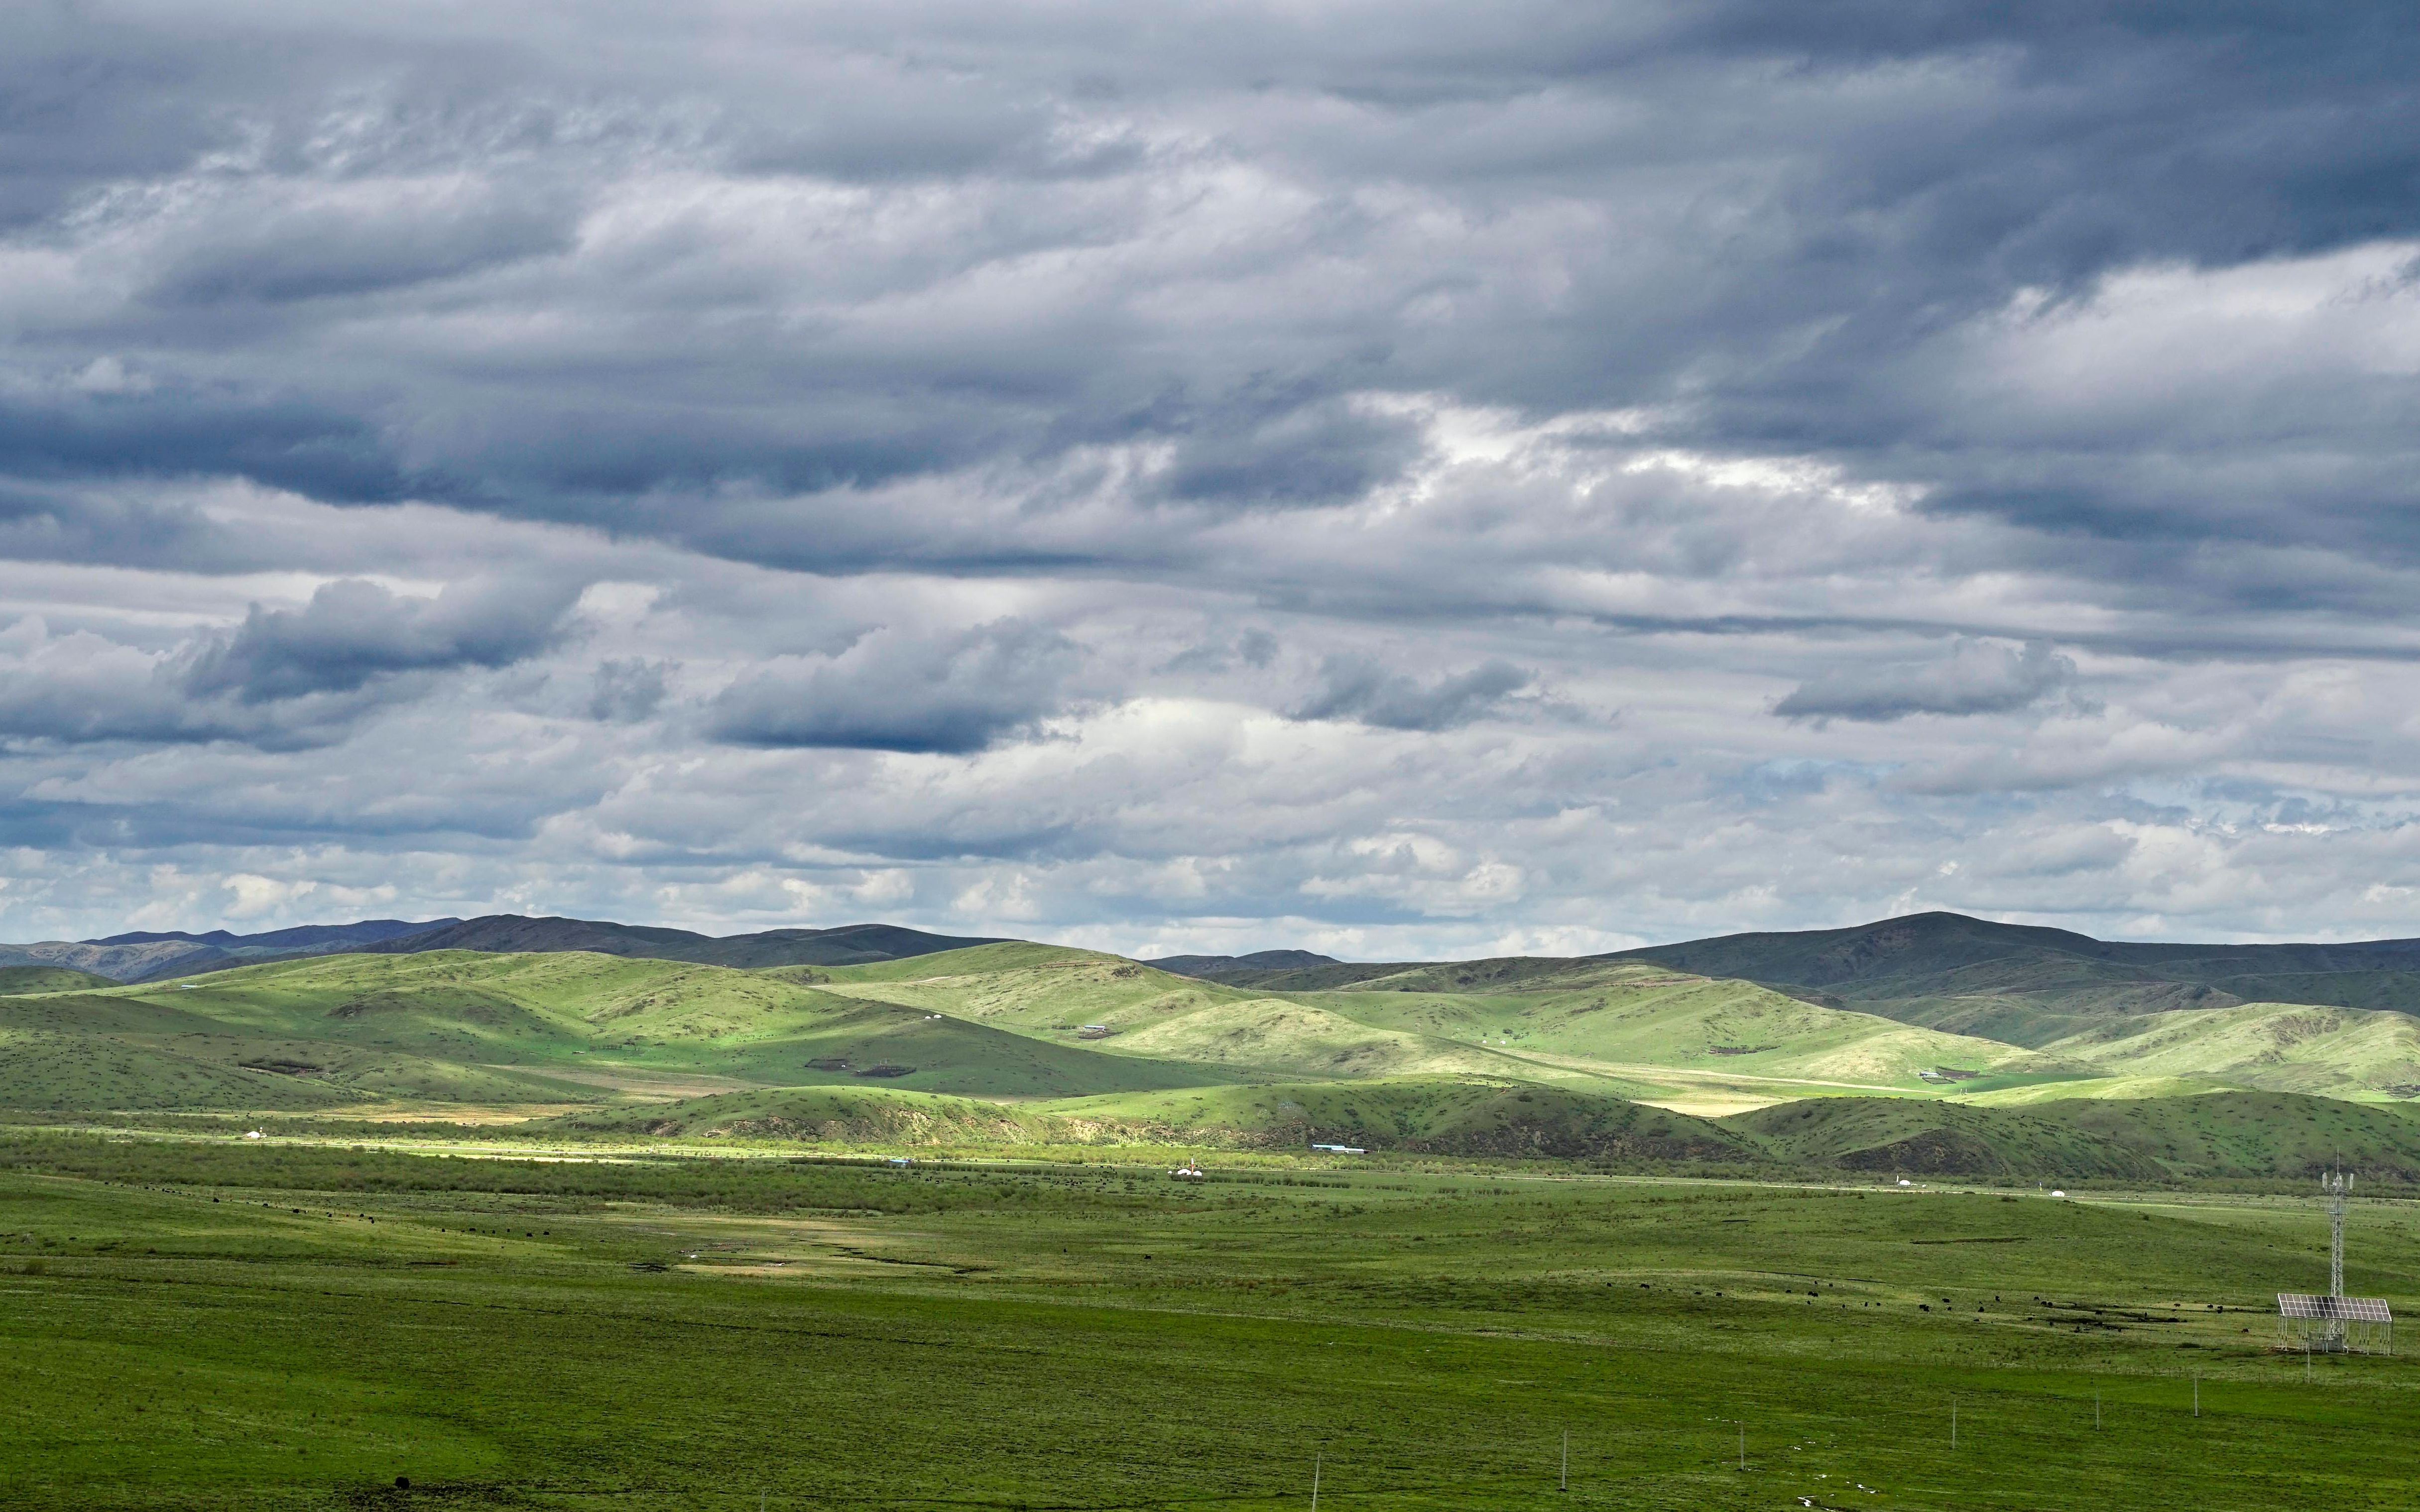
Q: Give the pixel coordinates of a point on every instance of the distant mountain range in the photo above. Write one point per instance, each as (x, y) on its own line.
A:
(2015, 983)
(148, 955)
(2029, 986)
(152, 955)
(1242, 967)
(1969, 1046)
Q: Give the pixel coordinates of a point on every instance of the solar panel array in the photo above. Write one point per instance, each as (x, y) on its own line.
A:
(2349, 1309)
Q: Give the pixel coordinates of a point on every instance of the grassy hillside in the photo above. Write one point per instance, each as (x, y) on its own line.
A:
(2231, 1134)
(974, 961)
(1119, 1008)
(1891, 1137)
(16, 980)
(1608, 1027)
(1425, 1115)
(2283, 1047)
(1630, 1015)
(74, 1072)
(842, 1116)
(2255, 1133)
(473, 1026)
(1925, 966)
(1515, 1056)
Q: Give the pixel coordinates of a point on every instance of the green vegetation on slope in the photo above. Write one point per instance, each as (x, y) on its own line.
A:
(15, 980)
(1633, 1015)
(473, 1026)
(2280, 1046)
(846, 1116)
(1928, 965)
(1431, 1116)
(1591, 1024)
(60, 1072)
(2227, 1136)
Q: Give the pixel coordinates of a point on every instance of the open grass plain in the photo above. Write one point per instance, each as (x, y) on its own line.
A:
(199, 1320)
(465, 1227)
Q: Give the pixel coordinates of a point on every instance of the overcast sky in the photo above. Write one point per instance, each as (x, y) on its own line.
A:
(1391, 479)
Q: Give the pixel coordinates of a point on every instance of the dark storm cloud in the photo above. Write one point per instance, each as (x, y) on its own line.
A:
(893, 692)
(1354, 688)
(353, 632)
(1974, 678)
(1770, 217)
(310, 443)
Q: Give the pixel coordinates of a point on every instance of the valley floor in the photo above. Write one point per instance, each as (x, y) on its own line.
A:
(204, 1324)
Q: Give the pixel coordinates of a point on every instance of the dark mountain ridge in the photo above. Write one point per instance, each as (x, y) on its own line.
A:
(844, 945)
(301, 938)
(2022, 983)
(1232, 967)
(152, 955)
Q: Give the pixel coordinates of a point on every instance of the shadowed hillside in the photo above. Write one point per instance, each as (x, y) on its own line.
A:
(2225, 1134)
(2030, 985)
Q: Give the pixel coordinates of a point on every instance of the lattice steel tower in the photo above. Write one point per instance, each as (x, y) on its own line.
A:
(2337, 1185)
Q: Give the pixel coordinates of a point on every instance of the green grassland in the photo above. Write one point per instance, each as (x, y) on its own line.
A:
(202, 1324)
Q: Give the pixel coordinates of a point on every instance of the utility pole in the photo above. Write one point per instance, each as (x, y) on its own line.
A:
(1314, 1480)
(2196, 1394)
(2096, 1407)
(1563, 1478)
(1953, 1422)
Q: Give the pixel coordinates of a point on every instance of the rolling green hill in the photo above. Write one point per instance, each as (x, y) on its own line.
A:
(1610, 1027)
(1428, 1115)
(480, 1027)
(1940, 1139)
(58, 1072)
(2287, 1047)
(1013, 1042)
(16, 980)
(1630, 1015)
(833, 1115)
(2223, 1134)
(1933, 962)
(2022, 984)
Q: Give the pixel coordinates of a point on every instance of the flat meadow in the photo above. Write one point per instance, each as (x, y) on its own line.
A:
(288, 1323)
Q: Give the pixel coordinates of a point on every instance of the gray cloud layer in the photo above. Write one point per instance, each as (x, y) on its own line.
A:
(1390, 478)
(1974, 678)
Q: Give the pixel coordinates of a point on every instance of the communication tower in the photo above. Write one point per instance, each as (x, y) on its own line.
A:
(2336, 1323)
